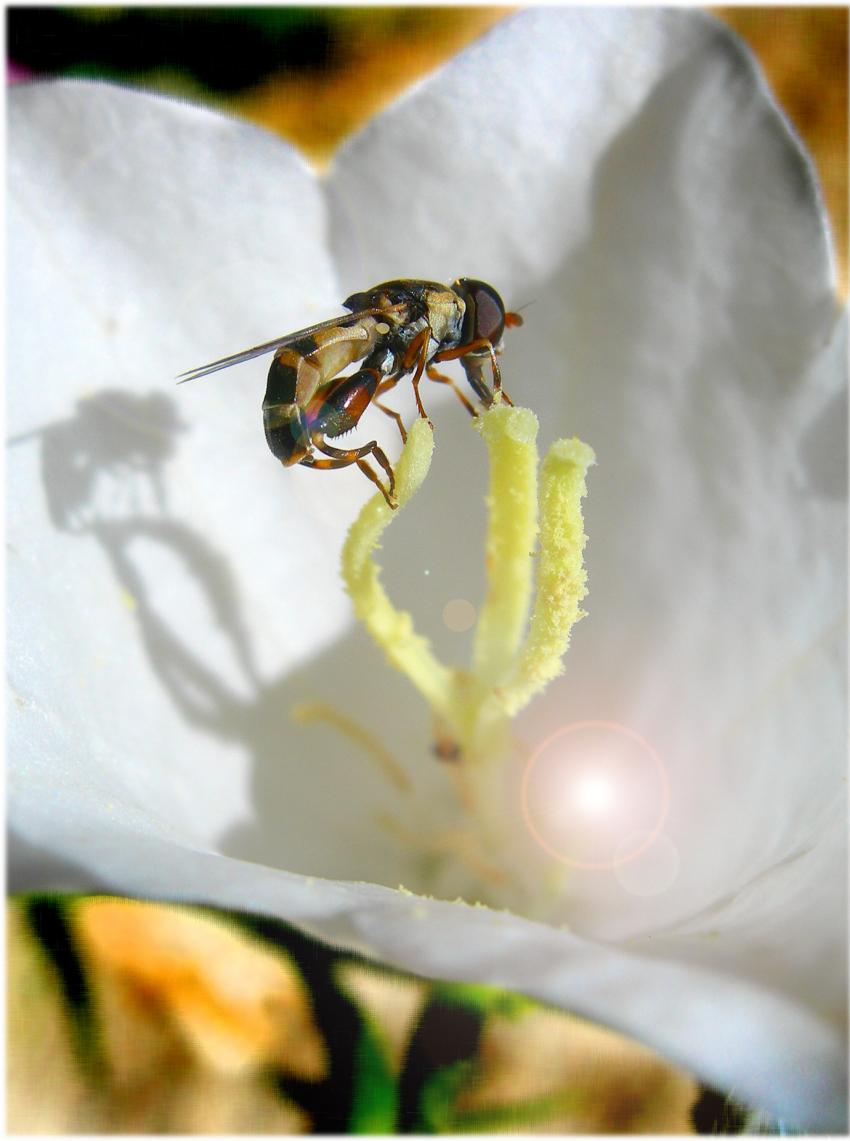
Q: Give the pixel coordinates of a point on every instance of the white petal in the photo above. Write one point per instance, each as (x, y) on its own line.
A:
(165, 573)
(491, 166)
(631, 172)
(121, 774)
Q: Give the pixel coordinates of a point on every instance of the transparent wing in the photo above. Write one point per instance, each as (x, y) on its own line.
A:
(248, 354)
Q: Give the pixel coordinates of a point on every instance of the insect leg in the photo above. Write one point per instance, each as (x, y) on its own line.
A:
(390, 382)
(385, 386)
(441, 378)
(338, 405)
(396, 416)
(418, 346)
(335, 409)
(392, 502)
(468, 355)
(346, 459)
(359, 453)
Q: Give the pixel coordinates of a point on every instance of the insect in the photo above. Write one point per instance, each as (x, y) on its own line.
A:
(396, 329)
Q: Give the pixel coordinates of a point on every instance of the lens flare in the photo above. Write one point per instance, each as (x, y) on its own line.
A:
(595, 795)
(459, 614)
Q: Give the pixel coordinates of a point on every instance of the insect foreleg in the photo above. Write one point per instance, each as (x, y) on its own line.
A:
(471, 357)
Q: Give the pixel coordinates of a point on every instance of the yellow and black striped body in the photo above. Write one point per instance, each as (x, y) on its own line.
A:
(304, 401)
(396, 329)
(303, 397)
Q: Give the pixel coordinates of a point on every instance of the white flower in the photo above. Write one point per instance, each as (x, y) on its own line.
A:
(174, 592)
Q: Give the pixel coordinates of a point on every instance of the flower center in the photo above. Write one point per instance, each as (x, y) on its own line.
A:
(533, 560)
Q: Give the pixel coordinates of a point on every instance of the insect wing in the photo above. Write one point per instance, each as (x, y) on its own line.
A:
(258, 350)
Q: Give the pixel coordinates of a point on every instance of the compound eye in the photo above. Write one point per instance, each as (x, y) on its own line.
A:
(488, 311)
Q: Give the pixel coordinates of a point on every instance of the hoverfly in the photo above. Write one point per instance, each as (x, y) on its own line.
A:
(396, 328)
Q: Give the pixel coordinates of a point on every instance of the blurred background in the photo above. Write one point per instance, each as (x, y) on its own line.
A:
(138, 1017)
(314, 74)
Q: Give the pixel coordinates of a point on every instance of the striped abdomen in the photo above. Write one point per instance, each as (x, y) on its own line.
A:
(298, 374)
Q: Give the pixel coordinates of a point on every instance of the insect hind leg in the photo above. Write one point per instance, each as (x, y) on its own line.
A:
(339, 457)
(335, 410)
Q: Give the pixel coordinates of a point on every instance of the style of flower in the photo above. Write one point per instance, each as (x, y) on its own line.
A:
(175, 594)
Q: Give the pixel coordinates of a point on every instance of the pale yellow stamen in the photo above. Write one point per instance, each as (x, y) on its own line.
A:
(455, 841)
(311, 712)
(393, 629)
(506, 671)
(510, 435)
(561, 577)
(513, 659)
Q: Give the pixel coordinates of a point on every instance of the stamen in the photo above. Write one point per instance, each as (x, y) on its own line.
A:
(309, 713)
(454, 841)
(561, 577)
(510, 436)
(472, 707)
(393, 629)
(506, 672)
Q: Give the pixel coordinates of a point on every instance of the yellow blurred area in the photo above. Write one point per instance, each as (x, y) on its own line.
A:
(379, 52)
(189, 1018)
(803, 52)
(185, 1022)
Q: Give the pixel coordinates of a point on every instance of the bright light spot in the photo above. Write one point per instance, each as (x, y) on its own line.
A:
(594, 793)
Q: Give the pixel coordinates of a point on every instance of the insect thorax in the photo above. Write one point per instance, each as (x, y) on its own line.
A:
(415, 305)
